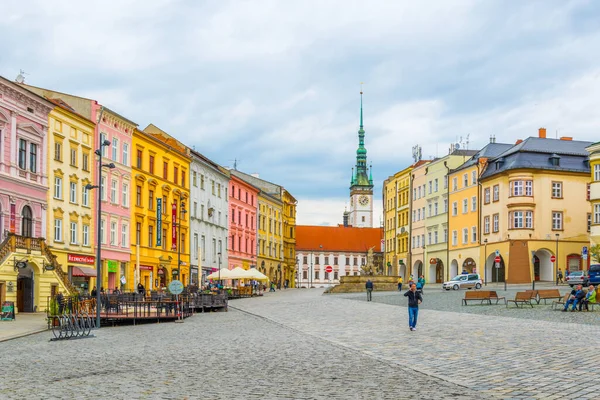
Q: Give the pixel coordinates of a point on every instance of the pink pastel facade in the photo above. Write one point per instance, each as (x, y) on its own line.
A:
(23, 160)
(116, 193)
(243, 199)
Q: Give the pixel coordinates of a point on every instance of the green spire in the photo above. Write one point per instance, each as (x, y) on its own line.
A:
(360, 178)
(371, 174)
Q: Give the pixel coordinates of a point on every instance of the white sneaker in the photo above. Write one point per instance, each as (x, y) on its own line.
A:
(414, 329)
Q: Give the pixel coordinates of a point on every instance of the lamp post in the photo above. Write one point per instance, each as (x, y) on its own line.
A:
(219, 258)
(89, 186)
(424, 261)
(556, 265)
(298, 276)
(485, 262)
(182, 210)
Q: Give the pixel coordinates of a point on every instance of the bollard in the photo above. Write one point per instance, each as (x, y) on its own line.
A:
(505, 285)
(533, 285)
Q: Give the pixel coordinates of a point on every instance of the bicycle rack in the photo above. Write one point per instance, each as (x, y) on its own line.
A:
(72, 326)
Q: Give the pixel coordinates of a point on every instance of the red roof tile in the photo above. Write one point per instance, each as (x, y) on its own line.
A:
(338, 238)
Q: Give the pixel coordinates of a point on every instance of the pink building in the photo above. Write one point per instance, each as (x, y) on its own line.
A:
(23, 160)
(243, 199)
(116, 194)
(116, 183)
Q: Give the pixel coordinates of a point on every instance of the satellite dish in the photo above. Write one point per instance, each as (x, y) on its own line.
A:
(457, 146)
(20, 78)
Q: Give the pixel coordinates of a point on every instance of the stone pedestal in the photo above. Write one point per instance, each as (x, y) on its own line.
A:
(354, 284)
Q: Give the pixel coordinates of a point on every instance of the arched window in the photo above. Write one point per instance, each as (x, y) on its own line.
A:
(26, 222)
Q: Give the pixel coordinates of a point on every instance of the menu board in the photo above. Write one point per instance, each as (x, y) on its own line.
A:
(8, 311)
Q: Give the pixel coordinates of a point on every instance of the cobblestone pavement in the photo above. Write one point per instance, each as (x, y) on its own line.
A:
(441, 300)
(231, 355)
(495, 356)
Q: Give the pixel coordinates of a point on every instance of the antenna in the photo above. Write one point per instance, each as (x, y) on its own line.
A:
(467, 142)
(21, 77)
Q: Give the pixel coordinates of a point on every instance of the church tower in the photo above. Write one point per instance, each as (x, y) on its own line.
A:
(361, 184)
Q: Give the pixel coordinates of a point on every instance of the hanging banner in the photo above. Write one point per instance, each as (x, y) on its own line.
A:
(174, 226)
(159, 222)
(13, 218)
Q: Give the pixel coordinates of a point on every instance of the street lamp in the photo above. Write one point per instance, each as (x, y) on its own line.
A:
(182, 210)
(219, 258)
(89, 186)
(556, 265)
(485, 262)
(298, 276)
(424, 261)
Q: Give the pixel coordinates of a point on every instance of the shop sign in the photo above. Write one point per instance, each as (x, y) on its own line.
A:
(113, 266)
(174, 228)
(159, 206)
(49, 267)
(81, 259)
(146, 268)
(433, 261)
(13, 218)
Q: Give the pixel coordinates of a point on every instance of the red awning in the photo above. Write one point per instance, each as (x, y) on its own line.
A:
(77, 271)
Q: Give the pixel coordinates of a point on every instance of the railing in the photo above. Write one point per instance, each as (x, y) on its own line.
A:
(14, 242)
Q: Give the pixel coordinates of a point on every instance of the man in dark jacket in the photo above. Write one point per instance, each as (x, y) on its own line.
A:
(577, 295)
(369, 287)
(414, 299)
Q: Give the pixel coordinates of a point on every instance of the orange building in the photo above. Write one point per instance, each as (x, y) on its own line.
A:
(343, 248)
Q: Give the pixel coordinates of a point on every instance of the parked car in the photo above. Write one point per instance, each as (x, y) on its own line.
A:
(467, 281)
(594, 274)
(577, 278)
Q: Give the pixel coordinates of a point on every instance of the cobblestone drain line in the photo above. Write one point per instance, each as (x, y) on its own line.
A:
(211, 356)
(389, 362)
(497, 356)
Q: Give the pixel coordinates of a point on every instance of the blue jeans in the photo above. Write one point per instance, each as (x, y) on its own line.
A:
(571, 301)
(413, 313)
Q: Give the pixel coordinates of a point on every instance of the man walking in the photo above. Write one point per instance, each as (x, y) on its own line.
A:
(414, 299)
(369, 287)
(399, 283)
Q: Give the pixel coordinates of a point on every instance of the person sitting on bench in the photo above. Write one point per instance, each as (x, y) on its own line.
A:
(576, 297)
(590, 297)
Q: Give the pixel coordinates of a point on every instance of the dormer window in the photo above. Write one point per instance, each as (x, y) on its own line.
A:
(555, 160)
(499, 163)
(586, 162)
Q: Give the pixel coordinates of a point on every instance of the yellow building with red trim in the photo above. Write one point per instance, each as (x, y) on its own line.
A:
(159, 204)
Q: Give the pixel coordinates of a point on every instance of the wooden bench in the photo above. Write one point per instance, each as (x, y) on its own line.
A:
(482, 296)
(561, 301)
(548, 294)
(494, 295)
(521, 298)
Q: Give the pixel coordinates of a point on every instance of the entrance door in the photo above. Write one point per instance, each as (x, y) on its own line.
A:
(439, 274)
(25, 294)
(536, 268)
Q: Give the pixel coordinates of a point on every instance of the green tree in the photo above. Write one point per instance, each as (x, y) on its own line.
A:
(595, 252)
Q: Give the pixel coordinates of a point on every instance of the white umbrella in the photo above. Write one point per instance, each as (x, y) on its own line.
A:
(255, 274)
(224, 274)
(239, 273)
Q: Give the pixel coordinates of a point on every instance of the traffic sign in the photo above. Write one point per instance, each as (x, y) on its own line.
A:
(584, 256)
(497, 253)
(497, 266)
(552, 258)
(175, 287)
(329, 269)
(497, 259)
(584, 251)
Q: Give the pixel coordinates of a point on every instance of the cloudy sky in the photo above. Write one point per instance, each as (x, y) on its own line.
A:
(275, 84)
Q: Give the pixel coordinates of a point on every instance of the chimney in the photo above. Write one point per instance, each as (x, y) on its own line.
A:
(346, 216)
(542, 133)
(566, 138)
(520, 141)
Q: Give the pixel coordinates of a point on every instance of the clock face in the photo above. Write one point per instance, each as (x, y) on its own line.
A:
(363, 200)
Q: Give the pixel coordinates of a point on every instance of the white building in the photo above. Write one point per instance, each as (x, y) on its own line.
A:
(343, 248)
(208, 215)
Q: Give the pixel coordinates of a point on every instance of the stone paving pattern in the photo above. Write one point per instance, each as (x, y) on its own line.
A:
(300, 344)
(231, 355)
(495, 356)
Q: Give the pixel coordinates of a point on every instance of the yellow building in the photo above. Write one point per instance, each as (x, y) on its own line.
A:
(594, 195)
(270, 237)
(71, 220)
(289, 237)
(396, 205)
(464, 218)
(534, 206)
(435, 211)
(160, 166)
